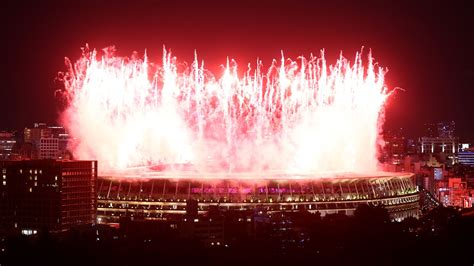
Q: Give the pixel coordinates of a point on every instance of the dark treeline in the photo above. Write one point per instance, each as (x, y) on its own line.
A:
(442, 236)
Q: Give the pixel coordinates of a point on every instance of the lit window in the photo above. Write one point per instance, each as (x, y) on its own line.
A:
(28, 232)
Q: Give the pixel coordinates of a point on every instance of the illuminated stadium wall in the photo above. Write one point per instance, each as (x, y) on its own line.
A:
(166, 198)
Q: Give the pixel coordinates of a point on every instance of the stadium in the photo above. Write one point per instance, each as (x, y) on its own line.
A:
(158, 197)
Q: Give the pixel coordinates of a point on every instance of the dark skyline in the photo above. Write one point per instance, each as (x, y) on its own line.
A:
(426, 46)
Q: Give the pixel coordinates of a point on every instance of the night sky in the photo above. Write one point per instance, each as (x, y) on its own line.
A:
(427, 47)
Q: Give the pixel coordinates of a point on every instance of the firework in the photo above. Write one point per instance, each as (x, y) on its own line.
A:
(298, 116)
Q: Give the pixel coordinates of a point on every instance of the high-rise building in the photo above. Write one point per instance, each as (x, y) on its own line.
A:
(411, 146)
(48, 195)
(33, 135)
(395, 148)
(49, 148)
(48, 142)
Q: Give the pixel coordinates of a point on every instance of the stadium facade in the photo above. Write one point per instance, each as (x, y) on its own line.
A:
(159, 198)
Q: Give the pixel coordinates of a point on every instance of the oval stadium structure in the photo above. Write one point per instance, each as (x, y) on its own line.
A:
(158, 197)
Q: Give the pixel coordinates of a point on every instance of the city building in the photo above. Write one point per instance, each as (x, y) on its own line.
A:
(48, 142)
(436, 145)
(454, 192)
(47, 195)
(395, 148)
(440, 140)
(466, 157)
(7, 141)
(48, 148)
(33, 135)
(411, 145)
(208, 229)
